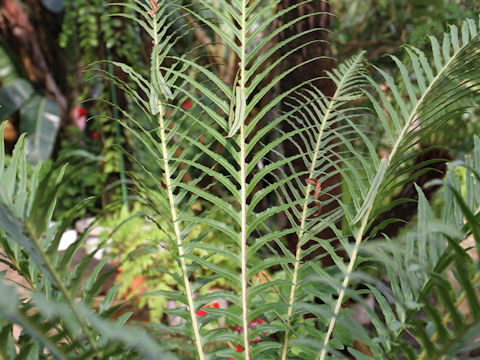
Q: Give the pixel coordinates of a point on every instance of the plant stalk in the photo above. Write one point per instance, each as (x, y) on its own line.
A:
(358, 238)
(178, 236)
(308, 189)
(173, 212)
(346, 281)
(243, 180)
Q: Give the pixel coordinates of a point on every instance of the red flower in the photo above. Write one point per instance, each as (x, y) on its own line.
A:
(79, 112)
(238, 349)
(256, 322)
(95, 135)
(79, 115)
(201, 312)
(187, 105)
(252, 324)
(238, 329)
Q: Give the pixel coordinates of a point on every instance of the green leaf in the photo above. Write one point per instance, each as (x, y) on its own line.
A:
(29, 352)
(7, 344)
(40, 119)
(157, 79)
(13, 96)
(372, 193)
(108, 300)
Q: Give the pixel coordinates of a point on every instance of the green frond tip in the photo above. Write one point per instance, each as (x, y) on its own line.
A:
(372, 193)
(240, 106)
(158, 82)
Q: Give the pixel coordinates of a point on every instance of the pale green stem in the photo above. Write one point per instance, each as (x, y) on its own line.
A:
(359, 237)
(346, 281)
(413, 114)
(178, 236)
(298, 253)
(244, 247)
(243, 180)
(176, 227)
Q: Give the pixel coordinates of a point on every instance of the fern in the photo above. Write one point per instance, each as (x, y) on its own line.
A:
(211, 154)
(453, 76)
(235, 135)
(440, 318)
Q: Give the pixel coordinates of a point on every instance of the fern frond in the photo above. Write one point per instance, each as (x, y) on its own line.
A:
(346, 78)
(452, 77)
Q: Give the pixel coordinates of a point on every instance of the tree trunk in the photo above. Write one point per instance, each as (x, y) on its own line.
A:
(36, 47)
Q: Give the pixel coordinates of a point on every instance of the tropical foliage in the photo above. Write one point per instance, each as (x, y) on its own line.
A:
(222, 151)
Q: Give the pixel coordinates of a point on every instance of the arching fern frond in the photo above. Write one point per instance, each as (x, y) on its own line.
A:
(406, 119)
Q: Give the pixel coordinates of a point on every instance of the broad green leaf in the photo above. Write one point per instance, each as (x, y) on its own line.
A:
(40, 119)
(14, 96)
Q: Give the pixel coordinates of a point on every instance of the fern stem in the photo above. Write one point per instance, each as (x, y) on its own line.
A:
(308, 189)
(244, 247)
(346, 281)
(178, 236)
(298, 253)
(413, 114)
(358, 238)
(243, 180)
(173, 212)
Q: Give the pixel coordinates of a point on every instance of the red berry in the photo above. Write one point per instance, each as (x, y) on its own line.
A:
(95, 135)
(215, 305)
(239, 348)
